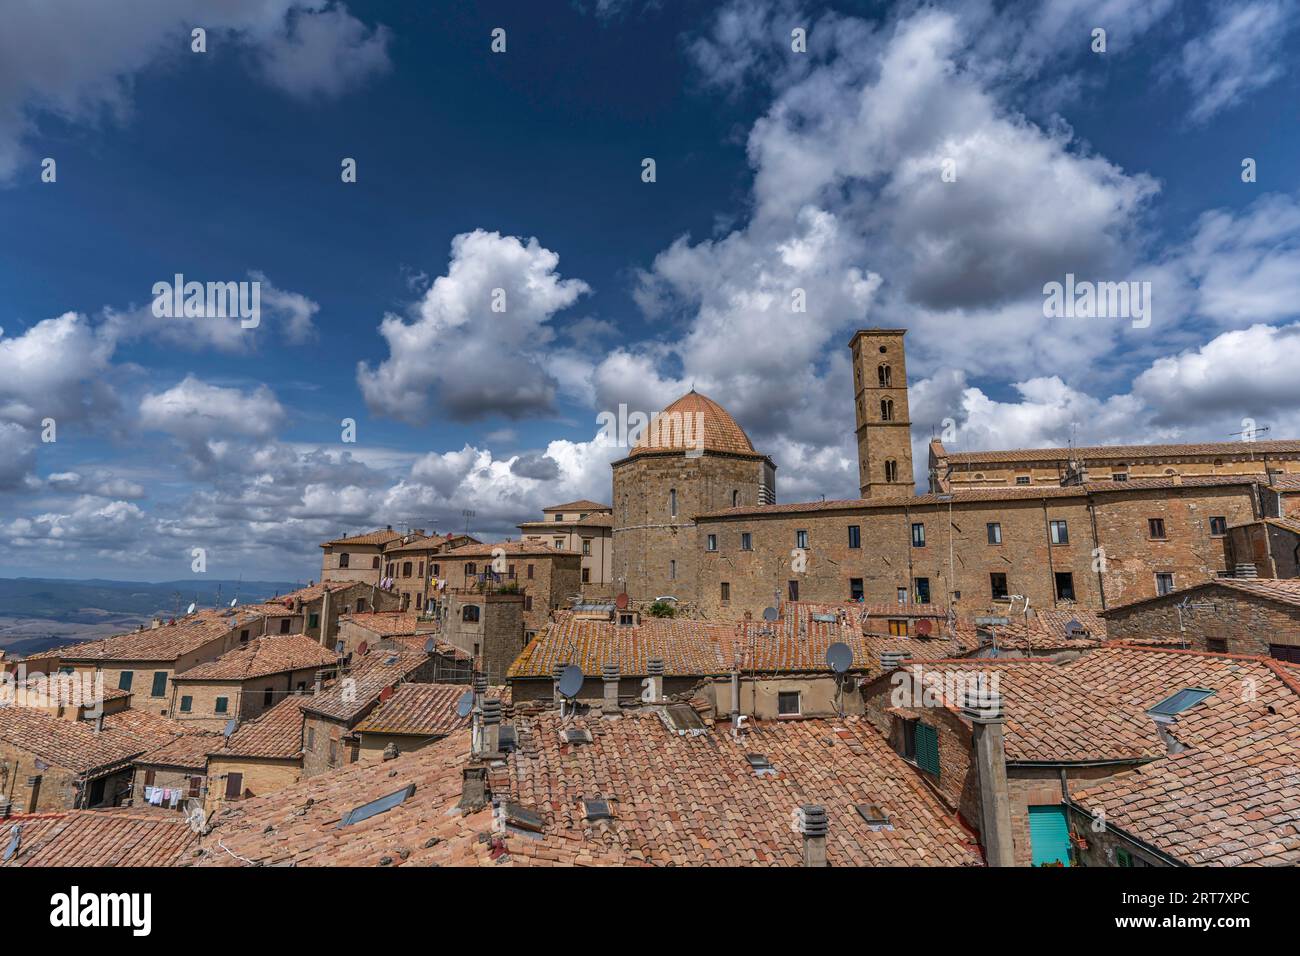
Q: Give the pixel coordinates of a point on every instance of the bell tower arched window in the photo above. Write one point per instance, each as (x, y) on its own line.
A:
(886, 409)
(886, 376)
(891, 470)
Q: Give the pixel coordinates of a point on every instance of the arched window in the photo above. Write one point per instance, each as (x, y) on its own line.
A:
(886, 376)
(891, 470)
(469, 613)
(375, 562)
(735, 499)
(886, 409)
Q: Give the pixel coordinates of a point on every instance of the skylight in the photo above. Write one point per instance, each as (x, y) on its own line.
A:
(597, 810)
(760, 764)
(1177, 703)
(376, 807)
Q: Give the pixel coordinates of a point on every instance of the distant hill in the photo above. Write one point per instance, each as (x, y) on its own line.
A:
(39, 613)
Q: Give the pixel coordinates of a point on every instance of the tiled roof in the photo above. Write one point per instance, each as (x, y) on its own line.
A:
(797, 643)
(582, 504)
(262, 656)
(974, 495)
(276, 734)
(187, 752)
(418, 542)
(1047, 629)
(387, 623)
(75, 744)
(675, 800)
(316, 591)
(1095, 707)
(1278, 590)
(146, 729)
(721, 433)
(511, 548)
(1107, 452)
(1234, 803)
(353, 692)
(166, 642)
(102, 838)
(381, 537)
(425, 709)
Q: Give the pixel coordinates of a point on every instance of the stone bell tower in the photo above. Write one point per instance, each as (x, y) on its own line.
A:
(884, 424)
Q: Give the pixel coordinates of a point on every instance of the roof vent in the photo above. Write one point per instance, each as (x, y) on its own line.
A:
(761, 766)
(655, 667)
(575, 735)
(889, 660)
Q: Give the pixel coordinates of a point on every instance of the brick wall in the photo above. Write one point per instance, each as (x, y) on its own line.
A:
(260, 777)
(1245, 623)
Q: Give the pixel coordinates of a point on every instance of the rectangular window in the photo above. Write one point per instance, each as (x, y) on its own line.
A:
(586, 575)
(998, 585)
(268, 696)
(196, 786)
(528, 602)
(746, 541)
(855, 536)
(672, 570)
(530, 572)
(234, 786)
(856, 591)
(124, 680)
(417, 602)
(1284, 652)
(711, 542)
(559, 544)
(918, 535)
(787, 703)
(1218, 526)
(149, 777)
(1156, 528)
(792, 589)
(1022, 479)
(801, 539)
(672, 502)
(994, 530)
(908, 749)
(1216, 645)
(586, 546)
(922, 590)
(343, 560)
(159, 688)
(243, 636)
(1064, 586)
(334, 752)
(1164, 583)
(435, 570)
(902, 595)
(221, 705)
(187, 703)
(898, 627)
(726, 592)
(1119, 476)
(1059, 532)
(284, 623)
(311, 738)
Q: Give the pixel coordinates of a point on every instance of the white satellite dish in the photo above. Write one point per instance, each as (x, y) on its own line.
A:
(190, 609)
(234, 601)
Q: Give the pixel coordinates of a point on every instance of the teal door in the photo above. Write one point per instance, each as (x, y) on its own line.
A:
(1049, 835)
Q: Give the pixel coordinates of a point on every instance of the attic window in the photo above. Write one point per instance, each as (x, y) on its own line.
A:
(376, 807)
(1175, 704)
(521, 818)
(760, 764)
(576, 736)
(875, 817)
(682, 719)
(597, 810)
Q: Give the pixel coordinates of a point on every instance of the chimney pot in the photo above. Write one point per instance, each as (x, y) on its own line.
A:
(609, 674)
(813, 824)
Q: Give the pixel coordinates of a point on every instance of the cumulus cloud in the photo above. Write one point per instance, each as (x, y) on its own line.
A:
(195, 411)
(1242, 52)
(77, 59)
(55, 369)
(459, 356)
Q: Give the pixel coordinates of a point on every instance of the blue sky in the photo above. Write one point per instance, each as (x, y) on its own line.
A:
(521, 170)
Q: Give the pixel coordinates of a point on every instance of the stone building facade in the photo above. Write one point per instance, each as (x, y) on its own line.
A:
(489, 626)
(588, 528)
(883, 421)
(664, 482)
(547, 578)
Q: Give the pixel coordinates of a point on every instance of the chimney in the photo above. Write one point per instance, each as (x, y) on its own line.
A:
(609, 674)
(156, 622)
(490, 741)
(984, 710)
(813, 824)
(480, 689)
(735, 699)
(655, 668)
(889, 660)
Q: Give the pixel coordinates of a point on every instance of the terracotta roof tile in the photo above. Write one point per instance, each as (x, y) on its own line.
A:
(355, 691)
(1087, 453)
(511, 548)
(102, 838)
(582, 504)
(164, 643)
(380, 537)
(666, 433)
(425, 709)
(76, 745)
(276, 734)
(1277, 590)
(263, 656)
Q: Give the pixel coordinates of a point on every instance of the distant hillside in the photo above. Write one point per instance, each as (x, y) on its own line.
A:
(40, 613)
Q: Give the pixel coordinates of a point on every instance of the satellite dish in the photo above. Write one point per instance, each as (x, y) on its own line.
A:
(231, 724)
(570, 681)
(839, 657)
(770, 614)
(430, 645)
(362, 648)
(924, 627)
(465, 704)
(338, 647)
(15, 837)
(190, 609)
(234, 601)
(620, 602)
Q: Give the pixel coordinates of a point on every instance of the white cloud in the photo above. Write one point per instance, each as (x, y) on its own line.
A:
(55, 369)
(324, 52)
(1242, 52)
(459, 356)
(195, 411)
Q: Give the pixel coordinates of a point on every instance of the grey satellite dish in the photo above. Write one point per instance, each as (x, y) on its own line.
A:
(231, 724)
(465, 704)
(770, 614)
(570, 681)
(839, 657)
(190, 609)
(430, 645)
(15, 837)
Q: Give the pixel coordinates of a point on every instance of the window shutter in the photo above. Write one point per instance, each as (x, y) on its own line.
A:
(927, 748)
(234, 785)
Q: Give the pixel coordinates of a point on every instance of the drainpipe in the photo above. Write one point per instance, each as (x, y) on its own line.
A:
(1051, 566)
(1096, 544)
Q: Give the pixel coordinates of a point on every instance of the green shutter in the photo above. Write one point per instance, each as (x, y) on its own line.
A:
(159, 688)
(1049, 835)
(927, 748)
(124, 680)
